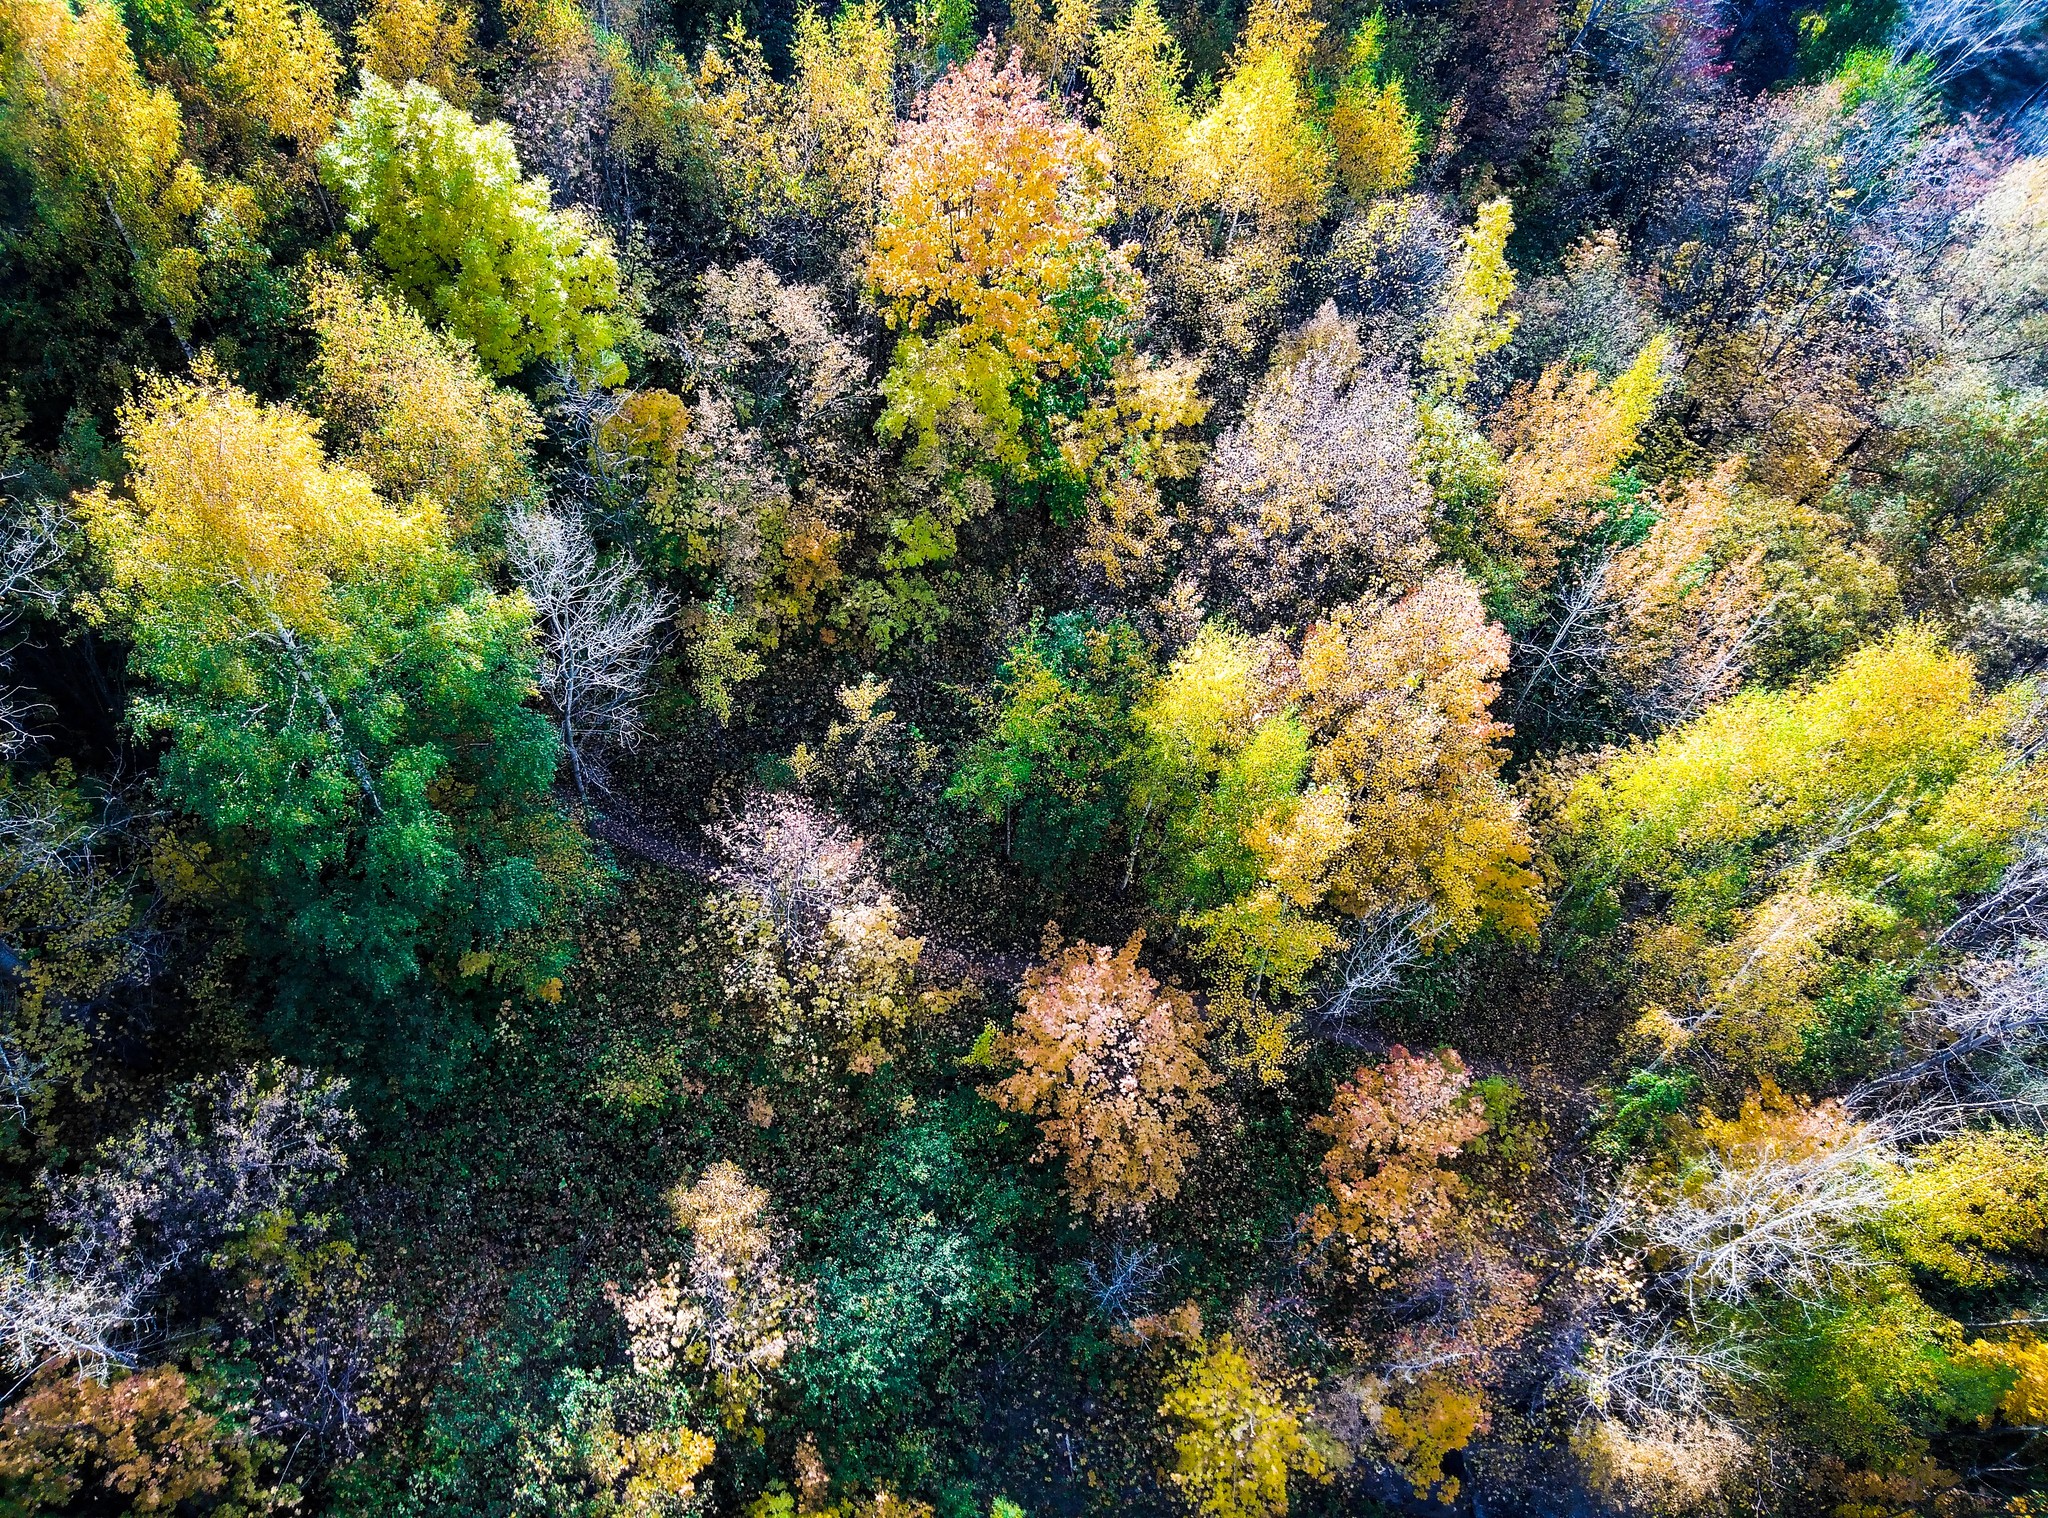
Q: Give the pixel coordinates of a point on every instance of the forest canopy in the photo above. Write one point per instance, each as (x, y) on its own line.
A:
(1005, 758)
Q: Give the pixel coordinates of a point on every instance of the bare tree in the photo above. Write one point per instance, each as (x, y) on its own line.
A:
(30, 546)
(600, 628)
(1776, 1213)
(1122, 1283)
(1979, 1051)
(1958, 36)
(224, 1151)
(1387, 943)
(797, 862)
(50, 1315)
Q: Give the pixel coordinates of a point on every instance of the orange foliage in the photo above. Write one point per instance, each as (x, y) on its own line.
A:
(136, 1444)
(1396, 697)
(990, 206)
(1390, 1197)
(1111, 1063)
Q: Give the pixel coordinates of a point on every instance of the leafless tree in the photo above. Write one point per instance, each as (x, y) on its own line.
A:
(30, 546)
(2017, 908)
(1386, 944)
(1980, 1050)
(797, 861)
(600, 628)
(50, 1315)
(1777, 1216)
(1314, 494)
(1647, 1368)
(1123, 1281)
(1958, 36)
(223, 1151)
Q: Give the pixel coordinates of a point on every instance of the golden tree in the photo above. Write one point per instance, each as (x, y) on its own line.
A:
(1396, 696)
(1110, 1062)
(413, 409)
(1562, 439)
(1241, 1435)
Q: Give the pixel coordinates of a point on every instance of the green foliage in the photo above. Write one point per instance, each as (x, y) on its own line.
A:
(341, 703)
(472, 243)
(537, 1419)
(920, 1268)
(1054, 765)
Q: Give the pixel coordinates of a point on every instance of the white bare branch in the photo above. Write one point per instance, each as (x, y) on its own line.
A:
(600, 628)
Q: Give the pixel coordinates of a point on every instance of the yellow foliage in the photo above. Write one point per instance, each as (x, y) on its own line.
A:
(277, 64)
(843, 94)
(991, 205)
(1419, 1423)
(1396, 696)
(1562, 440)
(424, 40)
(414, 410)
(1898, 746)
(1766, 979)
(1257, 153)
(1372, 131)
(1241, 1436)
(1470, 325)
(1964, 1208)
(651, 1474)
(225, 492)
(1138, 98)
(106, 148)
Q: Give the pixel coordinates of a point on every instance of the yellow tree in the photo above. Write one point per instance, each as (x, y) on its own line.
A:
(414, 410)
(1372, 131)
(1396, 696)
(277, 69)
(1562, 439)
(1469, 324)
(991, 211)
(1240, 1436)
(109, 187)
(843, 101)
(1136, 81)
(424, 40)
(1258, 154)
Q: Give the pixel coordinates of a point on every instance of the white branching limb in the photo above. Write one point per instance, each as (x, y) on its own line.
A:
(30, 546)
(1640, 1371)
(600, 628)
(1981, 1050)
(1956, 36)
(224, 1151)
(1775, 1215)
(2017, 908)
(50, 1315)
(1387, 943)
(1122, 1284)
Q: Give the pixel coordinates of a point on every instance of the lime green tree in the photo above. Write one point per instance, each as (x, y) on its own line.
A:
(474, 245)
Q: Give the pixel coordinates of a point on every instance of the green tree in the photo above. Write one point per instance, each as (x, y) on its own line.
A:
(341, 704)
(472, 243)
(1053, 765)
